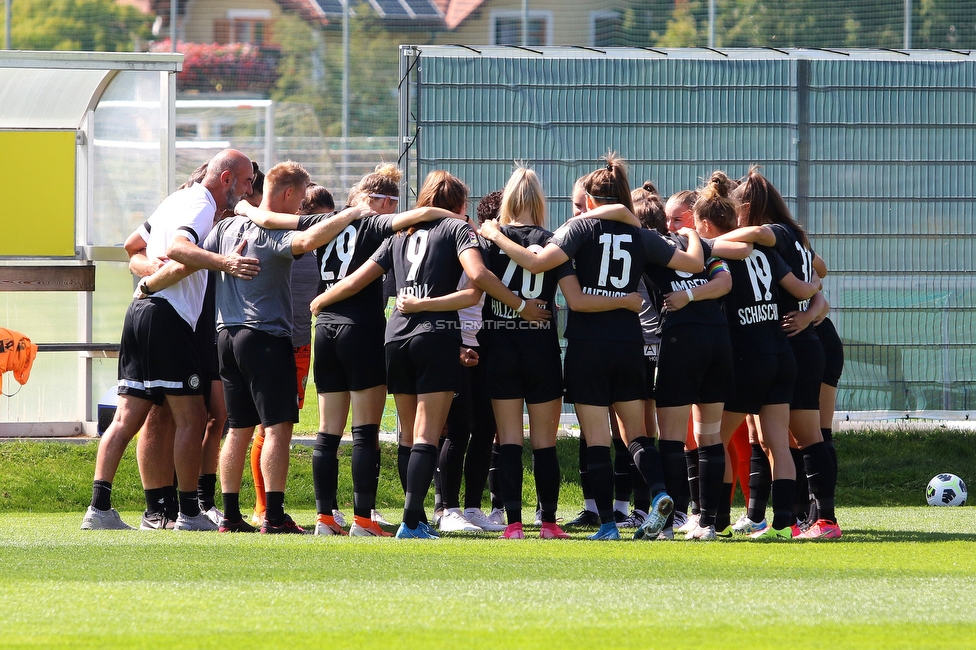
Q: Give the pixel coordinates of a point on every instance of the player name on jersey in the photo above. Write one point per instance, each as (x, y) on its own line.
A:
(758, 314)
(604, 292)
(417, 291)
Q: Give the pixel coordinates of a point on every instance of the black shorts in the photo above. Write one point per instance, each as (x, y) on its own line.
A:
(158, 355)
(601, 373)
(348, 357)
(259, 377)
(833, 352)
(205, 333)
(425, 363)
(650, 366)
(762, 379)
(519, 371)
(809, 356)
(694, 366)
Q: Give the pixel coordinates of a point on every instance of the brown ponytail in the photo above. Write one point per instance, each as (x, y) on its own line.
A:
(765, 205)
(715, 204)
(610, 184)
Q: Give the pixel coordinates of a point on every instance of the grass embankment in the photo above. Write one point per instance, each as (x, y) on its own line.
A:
(877, 468)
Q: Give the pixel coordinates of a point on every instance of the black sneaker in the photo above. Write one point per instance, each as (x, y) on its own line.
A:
(288, 527)
(156, 521)
(585, 519)
(241, 526)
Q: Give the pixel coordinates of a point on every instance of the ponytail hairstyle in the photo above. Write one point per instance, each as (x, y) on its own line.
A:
(609, 184)
(715, 204)
(318, 200)
(385, 180)
(648, 208)
(443, 190)
(763, 204)
(523, 192)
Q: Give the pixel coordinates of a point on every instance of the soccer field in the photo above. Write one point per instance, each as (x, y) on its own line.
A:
(890, 582)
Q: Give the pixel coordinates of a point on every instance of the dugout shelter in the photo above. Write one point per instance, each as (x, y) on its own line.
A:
(88, 146)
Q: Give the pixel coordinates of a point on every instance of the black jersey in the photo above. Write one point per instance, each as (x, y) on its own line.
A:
(800, 261)
(705, 312)
(753, 304)
(426, 265)
(540, 286)
(609, 258)
(342, 256)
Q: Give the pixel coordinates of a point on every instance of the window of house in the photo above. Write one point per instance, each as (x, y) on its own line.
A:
(244, 26)
(506, 28)
(605, 28)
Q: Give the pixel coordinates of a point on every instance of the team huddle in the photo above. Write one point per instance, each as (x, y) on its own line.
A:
(698, 323)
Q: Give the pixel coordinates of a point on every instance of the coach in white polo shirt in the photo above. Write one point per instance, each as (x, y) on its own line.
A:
(158, 360)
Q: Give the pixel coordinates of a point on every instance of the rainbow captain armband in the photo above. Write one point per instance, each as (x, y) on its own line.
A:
(714, 266)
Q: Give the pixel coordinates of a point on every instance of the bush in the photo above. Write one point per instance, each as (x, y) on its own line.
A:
(236, 67)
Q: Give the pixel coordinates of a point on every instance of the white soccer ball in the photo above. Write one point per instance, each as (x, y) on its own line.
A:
(946, 490)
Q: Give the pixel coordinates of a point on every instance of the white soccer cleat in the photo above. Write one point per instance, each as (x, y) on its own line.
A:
(199, 523)
(497, 516)
(339, 518)
(748, 526)
(477, 517)
(690, 524)
(452, 521)
(378, 518)
(110, 519)
(704, 533)
(214, 515)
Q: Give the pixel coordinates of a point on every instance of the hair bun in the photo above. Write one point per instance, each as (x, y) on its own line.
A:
(648, 186)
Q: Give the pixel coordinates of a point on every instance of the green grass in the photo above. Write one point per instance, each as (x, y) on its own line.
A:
(889, 468)
(890, 582)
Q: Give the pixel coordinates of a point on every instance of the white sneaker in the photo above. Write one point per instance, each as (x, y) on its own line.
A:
(477, 517)
(214, 515)
(452, 521)
(339, 518)
(200, 523)
(497, 516)
(378, 518)
(748, 526)
(110, 519)
(689, 525)
(704, 533)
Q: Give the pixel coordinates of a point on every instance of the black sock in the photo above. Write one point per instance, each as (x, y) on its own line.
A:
(547, 481)
(760, 479)
(642, 493)
(494, 489)
(510, 475)
(584, 476)
(691, 468)
(801, 497)
(276, 508)
(438, 489)
(102, 495)
(477, 462)
(622, 487)
(379, 468)
(599, 467)
(821, 477)
(723, 519)
(364, 463)
(674, 466)
(172, 502)
(828, 436)
(782, 494)
(649, 464)
(232, 506)
(450, 465)
(156, 501)
(189, 505)
(403, 459)
(420, 471)
(325, 471)
(711, 470)
(206, 490)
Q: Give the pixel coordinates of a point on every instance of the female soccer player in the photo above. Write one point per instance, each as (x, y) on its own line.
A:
(768, 222)
(763, 361)
(422, 346)
(604, 355)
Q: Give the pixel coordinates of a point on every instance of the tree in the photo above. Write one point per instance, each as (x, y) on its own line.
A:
(83, 25)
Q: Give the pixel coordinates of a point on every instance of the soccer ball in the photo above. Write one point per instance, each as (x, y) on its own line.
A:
(946, 490)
